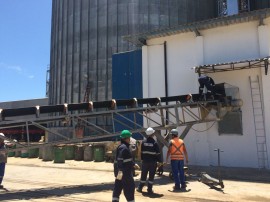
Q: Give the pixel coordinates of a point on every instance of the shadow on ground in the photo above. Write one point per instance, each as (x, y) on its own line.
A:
(54, 191)
(231, 173)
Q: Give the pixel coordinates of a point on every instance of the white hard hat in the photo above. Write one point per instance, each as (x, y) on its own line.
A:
(149, 131)
(132, 141)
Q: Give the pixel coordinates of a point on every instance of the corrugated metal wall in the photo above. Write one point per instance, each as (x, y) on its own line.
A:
(85, 34)
(259, 4)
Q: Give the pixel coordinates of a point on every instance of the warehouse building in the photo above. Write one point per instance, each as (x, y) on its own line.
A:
(232, 50)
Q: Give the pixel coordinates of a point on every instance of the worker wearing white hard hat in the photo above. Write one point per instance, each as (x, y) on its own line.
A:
(150, 155)
(3, 158)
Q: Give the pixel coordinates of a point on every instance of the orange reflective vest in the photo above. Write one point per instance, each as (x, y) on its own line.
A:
(177, 149)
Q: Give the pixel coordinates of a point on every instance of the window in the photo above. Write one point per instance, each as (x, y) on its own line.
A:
(231, 124)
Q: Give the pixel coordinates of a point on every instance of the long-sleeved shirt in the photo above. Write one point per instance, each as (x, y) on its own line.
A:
(150, 151)
(124, 158)
(3, 153)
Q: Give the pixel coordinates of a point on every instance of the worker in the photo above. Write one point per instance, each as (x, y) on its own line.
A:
(124, 169)
(133, 149)
(150, 155)
(208, 82)
(3, 159)
(177, 152)
(189, 98)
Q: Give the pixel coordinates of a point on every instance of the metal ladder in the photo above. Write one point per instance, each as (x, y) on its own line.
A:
(258, 114)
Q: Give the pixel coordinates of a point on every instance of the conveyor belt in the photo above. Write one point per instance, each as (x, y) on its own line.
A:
(110, 104)
(162, 113)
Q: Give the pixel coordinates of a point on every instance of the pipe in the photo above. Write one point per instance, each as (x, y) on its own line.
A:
(166, 78)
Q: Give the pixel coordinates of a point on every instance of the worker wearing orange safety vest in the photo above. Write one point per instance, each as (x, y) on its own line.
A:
(177, 152)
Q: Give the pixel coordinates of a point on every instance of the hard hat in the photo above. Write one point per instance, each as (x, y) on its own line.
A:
(174, 132)
(125, 134)
(133, 141)
(2, 134)
(149, 131)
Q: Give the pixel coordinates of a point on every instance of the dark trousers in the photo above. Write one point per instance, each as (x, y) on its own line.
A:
(178, 173)
(205, 82)
(127, 184)
(148, 167)
(2, 171)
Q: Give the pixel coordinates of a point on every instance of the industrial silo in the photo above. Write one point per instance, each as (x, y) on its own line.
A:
(85, 34)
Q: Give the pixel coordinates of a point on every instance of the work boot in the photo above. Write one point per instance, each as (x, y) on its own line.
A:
(139, 189)
(176, 188)
(150, 191)
(183, 187)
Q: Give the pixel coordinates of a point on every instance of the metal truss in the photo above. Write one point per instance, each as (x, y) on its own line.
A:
(231, 66)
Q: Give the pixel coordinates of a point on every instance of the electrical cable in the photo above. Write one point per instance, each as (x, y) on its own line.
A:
(204, 130)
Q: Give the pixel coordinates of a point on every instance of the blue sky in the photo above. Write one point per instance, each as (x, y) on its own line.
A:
(25, 31)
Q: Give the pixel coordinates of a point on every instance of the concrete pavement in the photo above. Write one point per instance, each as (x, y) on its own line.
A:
(36, 180)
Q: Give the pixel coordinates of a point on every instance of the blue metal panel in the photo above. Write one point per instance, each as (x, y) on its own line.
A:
(135, 67)
(127, 75)
(120, 80)
(127, 84)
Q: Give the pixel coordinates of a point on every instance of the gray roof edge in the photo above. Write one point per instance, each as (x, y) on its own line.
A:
(199, 25)
(235, 62)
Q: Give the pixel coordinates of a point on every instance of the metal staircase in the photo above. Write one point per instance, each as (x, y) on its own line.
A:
(258, 114)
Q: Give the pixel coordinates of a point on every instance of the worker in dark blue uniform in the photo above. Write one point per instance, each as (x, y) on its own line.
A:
(208, 82)
(3, 158)
(150, 155)
(123, 170)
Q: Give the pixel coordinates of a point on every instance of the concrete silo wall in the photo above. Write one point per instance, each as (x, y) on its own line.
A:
(259, 4)
(85, 34)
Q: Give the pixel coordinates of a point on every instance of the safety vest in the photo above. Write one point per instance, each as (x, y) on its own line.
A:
(177, 149)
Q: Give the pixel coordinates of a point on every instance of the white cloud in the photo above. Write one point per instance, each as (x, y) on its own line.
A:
(16, 68)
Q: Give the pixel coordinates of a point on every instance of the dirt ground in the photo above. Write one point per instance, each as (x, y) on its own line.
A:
(36, 180)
